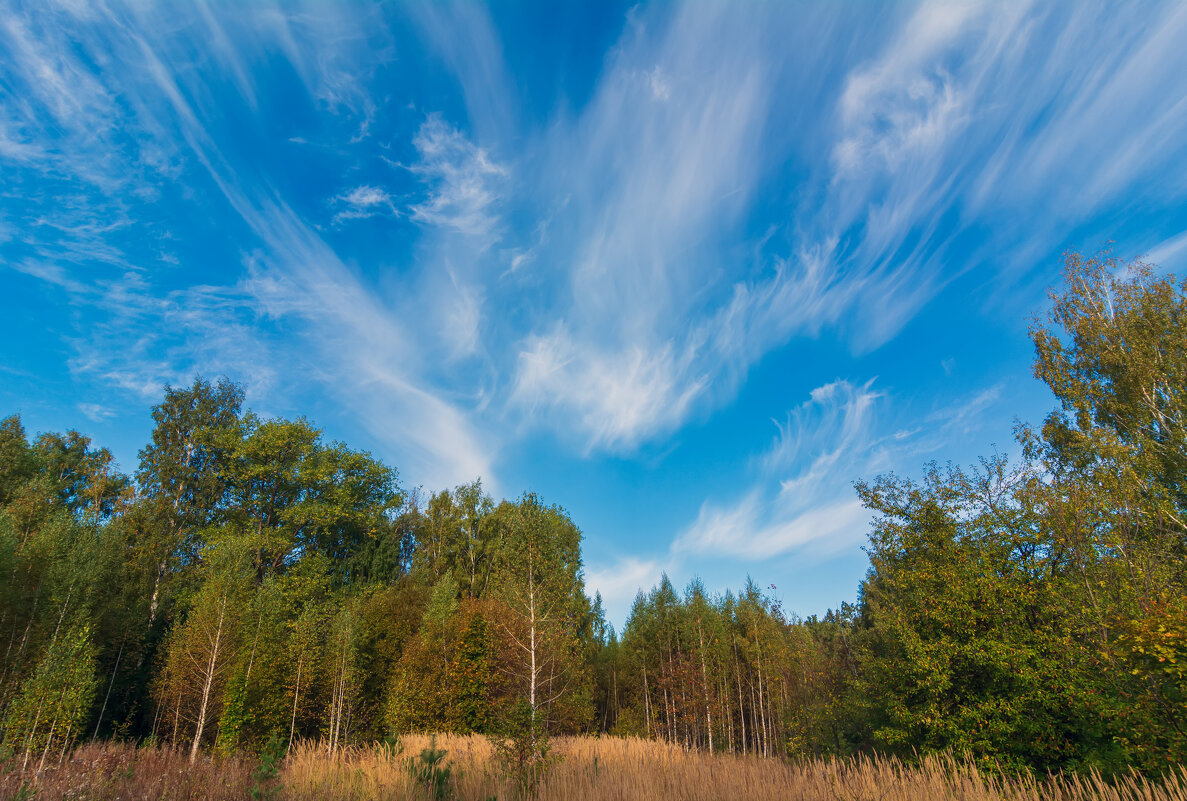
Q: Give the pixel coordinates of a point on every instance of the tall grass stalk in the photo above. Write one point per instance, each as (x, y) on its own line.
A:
(618, 769)
(606, 769)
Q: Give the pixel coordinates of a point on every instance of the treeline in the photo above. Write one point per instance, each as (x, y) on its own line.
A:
(1032, 614)
(253, 582)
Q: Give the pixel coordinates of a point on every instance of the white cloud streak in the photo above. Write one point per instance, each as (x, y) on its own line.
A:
(803, 498)
(464, 36)
(926, 139)
(362, 202)
(142, 336)
(1169, 253)
(664, 155)
(363, 349)
(621, 580)
(461, 178)
(734, 180)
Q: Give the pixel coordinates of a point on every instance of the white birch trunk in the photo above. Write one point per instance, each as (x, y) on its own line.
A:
(208, 682)
(296, 695)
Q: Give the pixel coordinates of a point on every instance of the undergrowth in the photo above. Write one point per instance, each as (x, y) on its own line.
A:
(467, 768)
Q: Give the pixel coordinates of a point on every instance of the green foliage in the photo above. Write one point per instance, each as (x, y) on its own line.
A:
(1119, 371)
(182, 470)
(83, 479)
(1033, 616)
(343, 675)
(967, 649)
(259, 582)
(202, 651)
(235, 715)
(460, 537)
(18, 465)
(416, 696)
(432, 772)
(539, 583)
(472, 676)
(522, 749)
(266, 777)
(49, 709)
(389, 748)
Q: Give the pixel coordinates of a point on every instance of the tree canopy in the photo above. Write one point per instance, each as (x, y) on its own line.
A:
(254, 581)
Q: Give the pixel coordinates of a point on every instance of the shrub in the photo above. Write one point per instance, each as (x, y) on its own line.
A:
(523, 751)
(432, 772)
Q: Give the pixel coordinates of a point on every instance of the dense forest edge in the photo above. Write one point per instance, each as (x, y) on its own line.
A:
(254, 587)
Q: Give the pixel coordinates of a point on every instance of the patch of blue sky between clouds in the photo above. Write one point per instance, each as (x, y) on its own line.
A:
(687, 269)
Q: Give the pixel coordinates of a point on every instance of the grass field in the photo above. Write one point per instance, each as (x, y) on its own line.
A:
(591, 768)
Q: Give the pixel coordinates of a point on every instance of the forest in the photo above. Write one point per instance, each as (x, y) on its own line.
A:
(253, 583)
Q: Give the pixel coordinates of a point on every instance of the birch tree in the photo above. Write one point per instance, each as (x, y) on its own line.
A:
(203, 650)
(181, 477)
(541, 584)
(51, 707)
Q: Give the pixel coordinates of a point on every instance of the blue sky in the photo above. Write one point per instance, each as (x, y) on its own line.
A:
(686, 270)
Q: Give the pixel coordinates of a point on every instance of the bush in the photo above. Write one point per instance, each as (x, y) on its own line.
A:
(432, 772)
(266, 775)
(523, 751)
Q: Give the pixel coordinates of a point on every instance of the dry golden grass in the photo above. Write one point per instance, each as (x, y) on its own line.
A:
(607, 769)
(103, 771)
(615, 769)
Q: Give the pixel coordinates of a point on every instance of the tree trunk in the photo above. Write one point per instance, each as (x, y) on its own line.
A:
(208, 683)
(646, 701)
(614, 692)
(754, 736)
(705, 684)
(106, 697)
(761, 705)
(176, 720)
(293, 723)
(725, 694)
(532, 633)
(156, 592)
(741, 701)
(65, 744)
(671, 721)
(156, 719)
(52, 728)
(29, 739)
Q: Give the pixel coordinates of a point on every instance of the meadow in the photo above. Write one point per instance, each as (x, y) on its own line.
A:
(603, 768)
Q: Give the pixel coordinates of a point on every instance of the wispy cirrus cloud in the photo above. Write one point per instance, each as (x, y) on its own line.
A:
(803, 498)
(655, 329)
(617, 396)
(802, 501)
(645, 180)
(139, 340)
(936, 146)
(462, 180)
(96, 412)
(597, 261)
(131, 132)
(1169, 252)
(923, 141)
(359, 345)
(465, 37)
(362, 202)
(619, 581)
